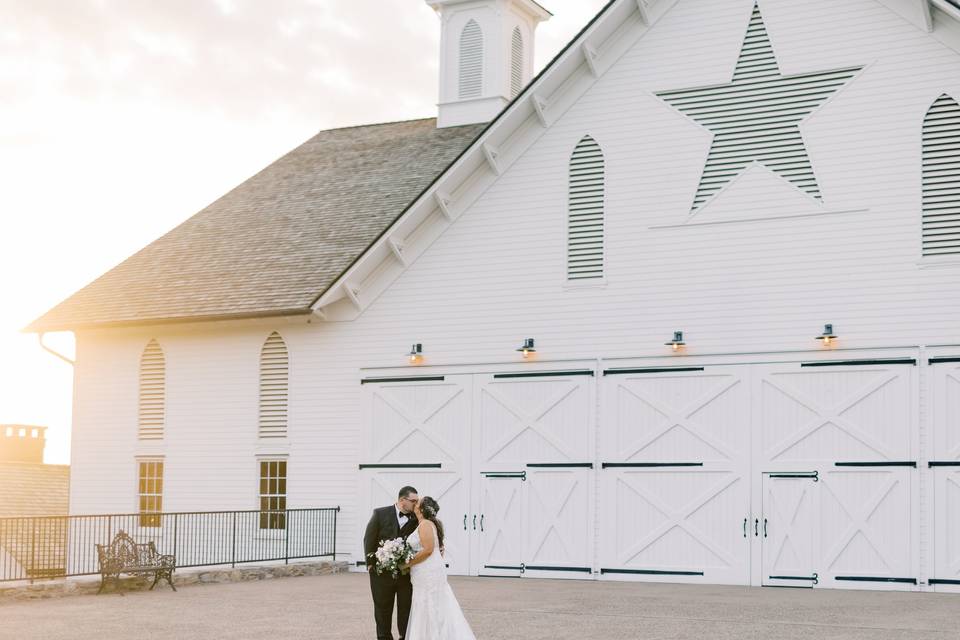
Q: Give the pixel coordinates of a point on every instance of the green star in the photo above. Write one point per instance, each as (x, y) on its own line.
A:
(756, 117)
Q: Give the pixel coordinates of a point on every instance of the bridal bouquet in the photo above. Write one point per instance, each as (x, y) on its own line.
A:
(392, 555)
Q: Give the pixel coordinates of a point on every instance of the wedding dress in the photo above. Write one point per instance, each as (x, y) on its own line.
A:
(434, 612)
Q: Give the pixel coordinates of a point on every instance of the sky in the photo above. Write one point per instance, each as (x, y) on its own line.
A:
(119, 119)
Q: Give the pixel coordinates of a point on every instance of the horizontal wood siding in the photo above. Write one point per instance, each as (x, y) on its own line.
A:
(498, 274)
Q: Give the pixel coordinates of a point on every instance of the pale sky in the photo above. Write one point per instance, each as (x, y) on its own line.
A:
(119, 119)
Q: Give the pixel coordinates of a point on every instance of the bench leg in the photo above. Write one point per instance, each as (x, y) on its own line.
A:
(106, 577)
(156, 578)
(169, 576)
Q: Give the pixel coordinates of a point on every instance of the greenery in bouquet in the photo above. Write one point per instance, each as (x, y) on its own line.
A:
(391, 556)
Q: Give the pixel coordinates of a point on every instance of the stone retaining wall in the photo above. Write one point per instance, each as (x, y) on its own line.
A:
(182, 577)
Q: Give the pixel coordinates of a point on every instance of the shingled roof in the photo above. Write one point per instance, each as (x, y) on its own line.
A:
(273, 244)
(28, 489)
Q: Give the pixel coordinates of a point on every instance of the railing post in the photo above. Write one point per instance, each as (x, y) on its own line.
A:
(286, 536)
(176, 520)
(233, 553)
(33, 549)
(335, 533)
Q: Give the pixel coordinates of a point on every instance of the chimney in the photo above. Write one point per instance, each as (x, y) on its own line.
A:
(486, 56)
(22, 443)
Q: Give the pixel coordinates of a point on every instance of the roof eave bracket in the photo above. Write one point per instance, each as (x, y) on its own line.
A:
(591, 57)
(443, 204)
(540, 106)
(490, 153)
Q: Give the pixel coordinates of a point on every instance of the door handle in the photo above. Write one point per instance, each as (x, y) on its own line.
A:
(464, 522)
(481, 522)
(745, 527)
(764, 527)
(756, 524)
(474, 522)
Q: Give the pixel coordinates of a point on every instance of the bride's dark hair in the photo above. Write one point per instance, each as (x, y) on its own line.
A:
(429, 508)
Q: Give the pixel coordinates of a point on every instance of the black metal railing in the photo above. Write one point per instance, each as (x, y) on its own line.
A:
(57, 546)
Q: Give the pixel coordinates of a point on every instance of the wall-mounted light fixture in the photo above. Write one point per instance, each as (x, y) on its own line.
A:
(416, 353)
(677, 341)
(527, 347)
(828, 336)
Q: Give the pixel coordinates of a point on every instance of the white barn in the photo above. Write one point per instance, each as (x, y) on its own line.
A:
(744, 172)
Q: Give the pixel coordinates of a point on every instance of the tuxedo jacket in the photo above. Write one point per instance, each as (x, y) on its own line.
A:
(383, 525)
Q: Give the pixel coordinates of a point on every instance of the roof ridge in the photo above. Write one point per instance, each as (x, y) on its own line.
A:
(376, 124)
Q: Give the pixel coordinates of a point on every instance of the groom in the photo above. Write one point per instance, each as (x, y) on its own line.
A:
(393, 521)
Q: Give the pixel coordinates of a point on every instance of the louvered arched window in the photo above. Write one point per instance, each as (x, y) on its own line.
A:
(516, 63)
(585, 217)
(153, 382)
(274, 384)
(941, 178)
(471, 61)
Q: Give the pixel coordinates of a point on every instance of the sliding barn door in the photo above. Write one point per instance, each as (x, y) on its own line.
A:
(534, 448)
(675, 454)
(418, 434)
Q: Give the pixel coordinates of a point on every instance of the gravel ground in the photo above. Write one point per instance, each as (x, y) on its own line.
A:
(340, 607)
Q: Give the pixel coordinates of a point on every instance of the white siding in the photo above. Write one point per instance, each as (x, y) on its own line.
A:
(498, 274)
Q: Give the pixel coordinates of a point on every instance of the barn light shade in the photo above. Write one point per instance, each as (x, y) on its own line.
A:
(416, 353)
(677, 341)
(527, 348)
(828, 336)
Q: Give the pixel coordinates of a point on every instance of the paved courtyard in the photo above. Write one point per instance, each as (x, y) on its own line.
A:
(339, 607)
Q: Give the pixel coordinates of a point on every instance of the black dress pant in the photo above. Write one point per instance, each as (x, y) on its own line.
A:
(385, 589)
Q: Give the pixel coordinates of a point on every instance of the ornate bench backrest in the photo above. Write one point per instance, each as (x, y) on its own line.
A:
(124, 552)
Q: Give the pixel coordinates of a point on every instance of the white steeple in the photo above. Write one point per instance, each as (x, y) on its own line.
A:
(486, 55)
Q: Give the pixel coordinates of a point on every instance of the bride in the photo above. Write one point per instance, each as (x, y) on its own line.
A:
(435, 613)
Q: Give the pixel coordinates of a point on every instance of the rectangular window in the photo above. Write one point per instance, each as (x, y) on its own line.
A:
(150, 492)
(273, 494)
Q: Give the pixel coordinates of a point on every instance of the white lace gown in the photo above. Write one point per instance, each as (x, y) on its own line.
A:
(434, 612)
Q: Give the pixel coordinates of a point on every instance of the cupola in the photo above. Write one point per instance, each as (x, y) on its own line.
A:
(486, 56)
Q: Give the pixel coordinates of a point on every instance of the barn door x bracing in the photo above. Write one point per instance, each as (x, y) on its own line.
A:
(675, 448)
(417, 435)
(534, 443)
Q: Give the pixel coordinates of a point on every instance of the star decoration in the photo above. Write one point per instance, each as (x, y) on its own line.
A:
(757, 116)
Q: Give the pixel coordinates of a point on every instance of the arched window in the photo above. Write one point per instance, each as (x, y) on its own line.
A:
(274, 384)
(941, 178)
(585, 217)
(153, 381)
(516, 63)
(471, 61)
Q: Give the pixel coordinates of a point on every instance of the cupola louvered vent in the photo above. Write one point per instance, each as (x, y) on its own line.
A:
(471, 61)
(585, 221)
(941, 178)
(756, 117)
(516, 63)
(274, 384)
(153, 374)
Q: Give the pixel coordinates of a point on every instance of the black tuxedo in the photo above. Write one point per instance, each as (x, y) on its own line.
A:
(385, 588)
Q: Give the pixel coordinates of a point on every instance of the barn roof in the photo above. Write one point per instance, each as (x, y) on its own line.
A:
(28, 489)
(285, 241)
(273, 244)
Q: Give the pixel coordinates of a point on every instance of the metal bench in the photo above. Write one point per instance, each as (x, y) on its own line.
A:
(123, 555)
